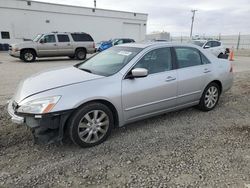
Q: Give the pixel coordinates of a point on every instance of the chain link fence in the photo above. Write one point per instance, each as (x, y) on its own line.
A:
(238, 42)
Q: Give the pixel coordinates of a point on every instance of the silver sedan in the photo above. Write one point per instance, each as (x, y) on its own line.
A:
(121, 85)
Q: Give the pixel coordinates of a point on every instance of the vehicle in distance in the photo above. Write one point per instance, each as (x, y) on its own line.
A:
(214, 46)
(73, 45)
(121, 85)
(107, 44)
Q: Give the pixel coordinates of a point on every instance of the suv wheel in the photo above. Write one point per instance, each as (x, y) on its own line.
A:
(91, 125)
(210, 97)
(28, 56)
(80, 54)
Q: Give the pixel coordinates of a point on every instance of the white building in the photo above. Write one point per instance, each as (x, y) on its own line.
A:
(22, 19)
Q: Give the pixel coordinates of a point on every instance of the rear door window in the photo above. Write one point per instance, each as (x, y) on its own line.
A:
(81, 37)
(204, 59)
(187, 57)
(63, 38)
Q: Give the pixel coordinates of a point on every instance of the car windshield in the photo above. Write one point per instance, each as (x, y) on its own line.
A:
(37, 38)
(198, 43)
(109, 61)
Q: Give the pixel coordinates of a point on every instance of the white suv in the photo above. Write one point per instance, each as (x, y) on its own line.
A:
(214, 46)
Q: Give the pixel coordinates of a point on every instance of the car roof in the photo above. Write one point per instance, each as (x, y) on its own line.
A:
(157, 44)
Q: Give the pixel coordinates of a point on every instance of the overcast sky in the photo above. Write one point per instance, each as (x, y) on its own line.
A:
(174, 16)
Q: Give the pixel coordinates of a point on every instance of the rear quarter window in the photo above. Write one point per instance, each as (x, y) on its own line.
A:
(82, 37)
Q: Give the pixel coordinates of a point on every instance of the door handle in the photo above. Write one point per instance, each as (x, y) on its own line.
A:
(68, 44)
(206, 71)
(55, 44)
(170, 78)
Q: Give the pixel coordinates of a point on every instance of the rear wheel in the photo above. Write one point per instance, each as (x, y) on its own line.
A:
(210, 97)
(80, 54)
(91, 125)
(28, 56)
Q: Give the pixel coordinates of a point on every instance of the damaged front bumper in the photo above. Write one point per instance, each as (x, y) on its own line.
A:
(46, 128)
(14, 118)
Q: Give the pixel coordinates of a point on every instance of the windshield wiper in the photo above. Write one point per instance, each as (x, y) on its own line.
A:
(87, 70)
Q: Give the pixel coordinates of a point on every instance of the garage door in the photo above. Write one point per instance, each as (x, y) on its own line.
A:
(132, 31)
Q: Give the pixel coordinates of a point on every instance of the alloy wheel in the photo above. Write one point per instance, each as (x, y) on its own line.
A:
(211, 97)
(93, 126)
(28, 56)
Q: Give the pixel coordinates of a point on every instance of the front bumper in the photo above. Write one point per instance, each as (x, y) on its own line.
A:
(14, 118)
(14, 53)
(45, 127)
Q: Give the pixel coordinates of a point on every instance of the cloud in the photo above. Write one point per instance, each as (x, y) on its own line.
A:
(213, 16)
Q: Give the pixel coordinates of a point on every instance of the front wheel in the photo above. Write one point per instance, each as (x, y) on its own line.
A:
(210, 97)
(28, 56)
(91, 125)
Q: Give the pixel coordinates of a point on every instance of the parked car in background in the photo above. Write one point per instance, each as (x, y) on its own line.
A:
(214, 46)
(121, 85)
(98, 44)
(73, 45)
(107, 44)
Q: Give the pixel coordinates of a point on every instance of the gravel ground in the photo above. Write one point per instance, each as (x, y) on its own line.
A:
(187, 148)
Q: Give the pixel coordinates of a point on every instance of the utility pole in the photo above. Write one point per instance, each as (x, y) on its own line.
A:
(192, 24)
(95, 3)
(238, 42)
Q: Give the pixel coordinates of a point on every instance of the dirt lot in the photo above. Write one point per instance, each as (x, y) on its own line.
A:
(187, 148)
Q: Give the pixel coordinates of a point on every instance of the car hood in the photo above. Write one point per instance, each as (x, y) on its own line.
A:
(24, 44)
(51, 79)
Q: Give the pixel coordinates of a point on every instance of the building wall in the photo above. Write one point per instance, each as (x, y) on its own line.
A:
(26, 21)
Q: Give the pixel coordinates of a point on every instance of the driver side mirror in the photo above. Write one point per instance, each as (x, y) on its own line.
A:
(138, 73)
(42, 41)
(206, 47)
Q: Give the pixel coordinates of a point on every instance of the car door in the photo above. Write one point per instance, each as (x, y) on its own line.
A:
(47, 46)
(65, 47)
(194, 71)
(212, 47)
(216, 49)
(156, 92)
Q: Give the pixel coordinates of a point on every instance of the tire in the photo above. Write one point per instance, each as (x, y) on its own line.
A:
(90, 125)
(210, 97)
(28, 56)
(80, 54)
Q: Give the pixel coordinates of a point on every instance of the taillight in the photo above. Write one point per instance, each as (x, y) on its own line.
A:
(93, 45)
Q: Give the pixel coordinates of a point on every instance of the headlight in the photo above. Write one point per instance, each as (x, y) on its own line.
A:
(38, 106)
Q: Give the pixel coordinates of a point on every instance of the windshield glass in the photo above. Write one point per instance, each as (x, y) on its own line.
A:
(109, 61)
(37, 38)
(198, 43)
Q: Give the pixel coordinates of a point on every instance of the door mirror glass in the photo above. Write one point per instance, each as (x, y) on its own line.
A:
(206, 47)
(139, 72)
